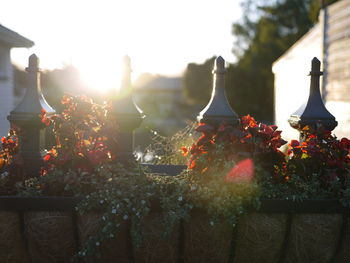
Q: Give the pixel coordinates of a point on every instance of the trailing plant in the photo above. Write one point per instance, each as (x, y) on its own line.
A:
(318, 166)
(230, 168)
(167, 150)
(226, 162)
(84, 163)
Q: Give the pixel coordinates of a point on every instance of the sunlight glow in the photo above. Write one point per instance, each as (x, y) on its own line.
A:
(101, 76)
(159, 36)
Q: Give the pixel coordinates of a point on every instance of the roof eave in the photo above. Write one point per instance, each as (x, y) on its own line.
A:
(13, 39)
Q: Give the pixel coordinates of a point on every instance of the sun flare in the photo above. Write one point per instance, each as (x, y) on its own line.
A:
(101, 76)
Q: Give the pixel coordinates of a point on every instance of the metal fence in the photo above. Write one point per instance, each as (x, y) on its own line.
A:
(32, 136)
(32, 141)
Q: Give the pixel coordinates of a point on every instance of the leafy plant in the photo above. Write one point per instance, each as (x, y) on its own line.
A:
(84, 163)
(226, 162)
(167, 150)
(229, 170)
(85, 135)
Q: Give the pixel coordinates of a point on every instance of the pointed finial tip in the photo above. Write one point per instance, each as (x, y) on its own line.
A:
(220, 61)
(315, 64)
(33, 63)
(219, 66)
(33, 56)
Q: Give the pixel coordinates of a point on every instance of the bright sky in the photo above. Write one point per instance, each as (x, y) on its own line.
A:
(160, 36)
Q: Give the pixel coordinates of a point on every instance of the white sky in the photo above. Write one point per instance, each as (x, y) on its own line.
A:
(160, 36)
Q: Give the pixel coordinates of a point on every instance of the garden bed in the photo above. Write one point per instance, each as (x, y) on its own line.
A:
(47, 229)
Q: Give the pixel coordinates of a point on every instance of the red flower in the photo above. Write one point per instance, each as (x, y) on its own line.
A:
(192, 164)
(248, 121)
(274, 127)
(47, 157)
(267, 130)
(294, 143)
(243, 172)
(345, 143)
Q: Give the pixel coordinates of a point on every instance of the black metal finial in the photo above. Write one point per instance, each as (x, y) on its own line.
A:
(125, 86)
(33, 64)
(127, 114)
(29, 109)
(313, 113)
(26, 116)
(218, 108)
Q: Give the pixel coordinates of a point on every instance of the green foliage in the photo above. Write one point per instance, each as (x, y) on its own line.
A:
(230, 170)
(198, 81)
(130, 194)
(167, 150)
(279, 25)
(266, 30)
(316, 6)
(220, 199)
(248, 157)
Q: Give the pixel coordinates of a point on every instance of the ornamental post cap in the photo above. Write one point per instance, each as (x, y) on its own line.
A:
(219, 66)
(315, 67)
(218, 109)
(33, 101)
(128, 113)
(33, 63)
(313, 113)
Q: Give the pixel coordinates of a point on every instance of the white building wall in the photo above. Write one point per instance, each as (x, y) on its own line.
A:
(292, 82)
(338, 65)
(6, 89)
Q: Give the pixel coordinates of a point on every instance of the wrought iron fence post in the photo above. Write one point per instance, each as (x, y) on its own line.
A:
(313, 113)
(127, 115)
(218, 108)
(26, 117)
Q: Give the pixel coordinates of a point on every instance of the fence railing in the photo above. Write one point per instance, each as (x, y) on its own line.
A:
(26, 116)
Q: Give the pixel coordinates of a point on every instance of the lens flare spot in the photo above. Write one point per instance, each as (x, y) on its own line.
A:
(242, 172)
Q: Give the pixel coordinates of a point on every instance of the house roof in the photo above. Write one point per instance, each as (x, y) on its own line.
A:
(13, 39)
(159, 83)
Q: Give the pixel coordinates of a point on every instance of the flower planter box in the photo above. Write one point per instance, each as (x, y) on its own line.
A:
(47, 229)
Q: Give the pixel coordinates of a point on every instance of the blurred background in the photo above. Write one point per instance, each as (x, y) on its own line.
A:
(172, 45)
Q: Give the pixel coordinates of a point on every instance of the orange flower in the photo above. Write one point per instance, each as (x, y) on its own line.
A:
(184, 151)
(192, 164)
(248, 121)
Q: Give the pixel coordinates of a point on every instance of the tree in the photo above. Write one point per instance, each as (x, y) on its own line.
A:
(198, 81)
(267, 29)
(280, 24)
